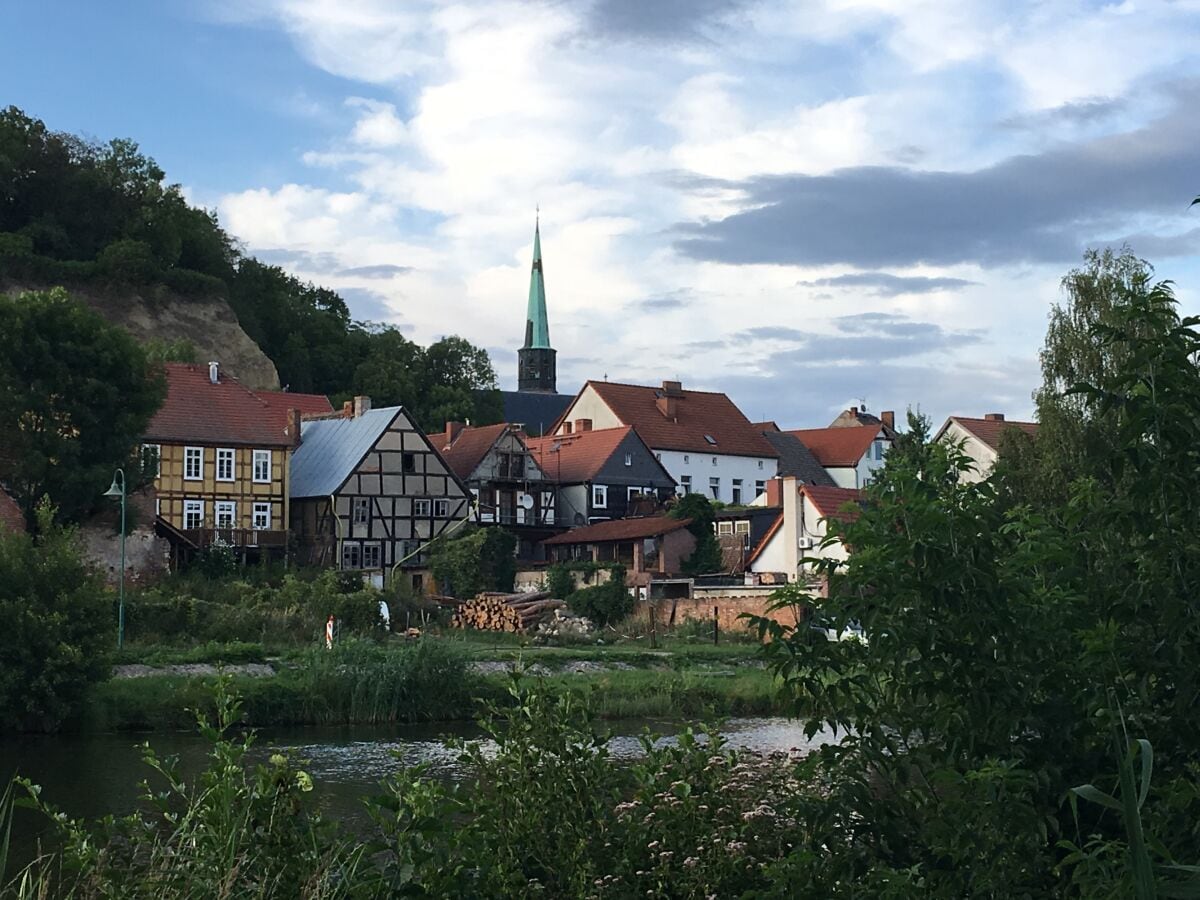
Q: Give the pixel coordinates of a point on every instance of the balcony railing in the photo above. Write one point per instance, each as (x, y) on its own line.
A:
(236, 537)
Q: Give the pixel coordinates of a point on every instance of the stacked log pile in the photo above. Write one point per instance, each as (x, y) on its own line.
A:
(490, 611)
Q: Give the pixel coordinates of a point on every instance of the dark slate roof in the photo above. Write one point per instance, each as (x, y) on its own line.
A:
(796, 459)
(330, 449)
(535, 412)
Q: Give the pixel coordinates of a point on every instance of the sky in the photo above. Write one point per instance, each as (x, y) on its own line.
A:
(807, 205)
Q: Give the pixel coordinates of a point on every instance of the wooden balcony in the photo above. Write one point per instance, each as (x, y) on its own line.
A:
(237, 537)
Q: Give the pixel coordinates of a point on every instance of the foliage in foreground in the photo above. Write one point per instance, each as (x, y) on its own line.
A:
(547, 811)
(59, 626)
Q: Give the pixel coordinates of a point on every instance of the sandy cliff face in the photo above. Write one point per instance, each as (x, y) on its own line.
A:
(208, 323)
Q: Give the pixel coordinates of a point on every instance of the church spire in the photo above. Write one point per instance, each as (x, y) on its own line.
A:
(536, 360)
(537, 326)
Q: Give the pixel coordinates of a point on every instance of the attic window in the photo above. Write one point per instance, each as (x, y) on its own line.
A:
(710, 439)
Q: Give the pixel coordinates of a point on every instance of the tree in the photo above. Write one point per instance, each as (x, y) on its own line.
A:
(58, 620)
(706, 558)
(76, 395)
(474, 560)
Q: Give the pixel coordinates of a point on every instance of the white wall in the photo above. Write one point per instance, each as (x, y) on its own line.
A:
(588, 405)
(984, 456)
(861, 474)
(802, 524)
(700, 467)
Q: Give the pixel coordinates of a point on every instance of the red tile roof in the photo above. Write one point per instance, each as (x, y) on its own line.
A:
(989, 430)
(837, 447)
(470, 446)
(11, 518)
(829, 501)
(579, 457)
(698, 413)
(620, 530)
(226, 412)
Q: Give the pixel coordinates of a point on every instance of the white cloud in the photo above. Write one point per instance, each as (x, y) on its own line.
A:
(379, 126)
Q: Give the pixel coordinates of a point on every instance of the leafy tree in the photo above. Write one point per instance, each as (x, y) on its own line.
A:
(474, 560)
(59, 621)
(706, 558)
(76, 395)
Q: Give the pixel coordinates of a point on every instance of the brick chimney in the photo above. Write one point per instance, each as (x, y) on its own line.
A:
(673, 388)
(567, 427)
(453, 430)
(294, 426)
(775, 492)
(668, 406)
(888, 417)
(994, 417)
(582, 425)
(362, 404)
(348, 410)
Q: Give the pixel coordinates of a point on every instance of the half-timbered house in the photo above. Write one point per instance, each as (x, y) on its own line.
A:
(369, 492)
(509, 486)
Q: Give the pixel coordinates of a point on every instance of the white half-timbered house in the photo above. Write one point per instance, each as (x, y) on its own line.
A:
(369, 491)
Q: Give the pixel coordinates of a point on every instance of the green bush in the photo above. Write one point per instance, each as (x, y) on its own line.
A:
(190, 283)
(12, 244)
(59, 621)
(128, 262)
(474, 560)
(604, 604)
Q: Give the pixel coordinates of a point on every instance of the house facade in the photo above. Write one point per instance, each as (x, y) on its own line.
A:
(222, 454)
(849, 455)
(503, 476)
(646, 546)
(801, 525)
(601, 475)
(980, 440)
(369, 492)
(701, 438)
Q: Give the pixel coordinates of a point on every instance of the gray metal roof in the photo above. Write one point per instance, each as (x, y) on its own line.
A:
(796, 459)
(330, 449)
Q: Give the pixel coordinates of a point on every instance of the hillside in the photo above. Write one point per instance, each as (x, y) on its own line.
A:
(208, 323)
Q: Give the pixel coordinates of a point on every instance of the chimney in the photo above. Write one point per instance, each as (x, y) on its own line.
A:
(453, 429)
(791, 526)
(362, 404)
(668, 404)
(888, 417)
(566, 428)
(347, 410)
(214, 372)
(994, 417)
(672, 388)
(294, 426)
(775, 492)
(582, 425)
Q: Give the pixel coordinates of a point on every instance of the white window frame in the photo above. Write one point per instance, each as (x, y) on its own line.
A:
(422, 506)
(193, 506)
(760, 463)
(261, 509)
(190, 454)
(714, 487)
(714, 460)
(685, 484)
(759, 488)
(360, 510)
(736, 494)
(441, 509)
(226, 454)
(600, 496)
(221, 507)
(878, 450)
(629, 459)
(261, 456)
(375, 552)
(353, 550)
(632, 492)
(724, 528)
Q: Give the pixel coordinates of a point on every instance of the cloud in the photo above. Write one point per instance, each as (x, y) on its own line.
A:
(1042, 207)
(657, 20)
(320, 263)
(668, 300)
(382, 270)
(1162, 246)
(884, 284)
(368, 305)
(1086, 111)
(378, 126)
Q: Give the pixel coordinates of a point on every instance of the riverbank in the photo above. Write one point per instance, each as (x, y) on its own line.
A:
(432, 680)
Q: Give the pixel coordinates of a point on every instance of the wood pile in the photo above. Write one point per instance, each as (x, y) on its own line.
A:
(490, 611)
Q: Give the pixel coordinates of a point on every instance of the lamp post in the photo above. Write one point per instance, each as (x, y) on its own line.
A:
(117, 489)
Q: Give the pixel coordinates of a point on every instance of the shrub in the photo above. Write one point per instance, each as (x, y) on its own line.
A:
(128, 262)
(604, 604)
(190, 283)
(12, 244)
(474, 560)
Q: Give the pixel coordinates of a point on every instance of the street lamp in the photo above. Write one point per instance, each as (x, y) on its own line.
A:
(117, 489)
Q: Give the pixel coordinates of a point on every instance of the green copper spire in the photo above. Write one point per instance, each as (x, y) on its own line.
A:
(537, 326)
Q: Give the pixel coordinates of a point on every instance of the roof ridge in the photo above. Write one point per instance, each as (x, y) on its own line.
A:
(652, 387)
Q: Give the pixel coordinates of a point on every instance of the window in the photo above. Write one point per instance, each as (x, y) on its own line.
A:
(225, 513)
(714, 460)
(408, 462)
(737, 491)
(710, 439)
(879, 449)
(360, 510)
(714, 487)
(760, 463)
(743, 528)
(724, 528)
(421, 507)
(224, 465)
(686, 459)
(600, 496)
(658, 456)
(151, 454)
(351, 555)
(629, 459)
(193, 513)
(637, 492)
(262, 466)
(193, 463)
(370, 556)
(759, 487)
(685, 484)
(262, 516)
(441, 509)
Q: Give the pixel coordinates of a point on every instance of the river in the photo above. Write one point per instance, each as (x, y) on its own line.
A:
(94, 775)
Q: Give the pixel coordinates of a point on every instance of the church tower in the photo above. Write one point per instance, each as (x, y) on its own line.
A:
(536, 363)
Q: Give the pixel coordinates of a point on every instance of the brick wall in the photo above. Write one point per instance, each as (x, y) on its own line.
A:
(729, 609)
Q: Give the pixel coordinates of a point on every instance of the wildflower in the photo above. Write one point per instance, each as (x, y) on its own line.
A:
(652, 845)
(691, 862)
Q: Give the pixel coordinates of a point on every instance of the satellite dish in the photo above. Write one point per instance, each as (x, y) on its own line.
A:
(526, 501)
(578, 518)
